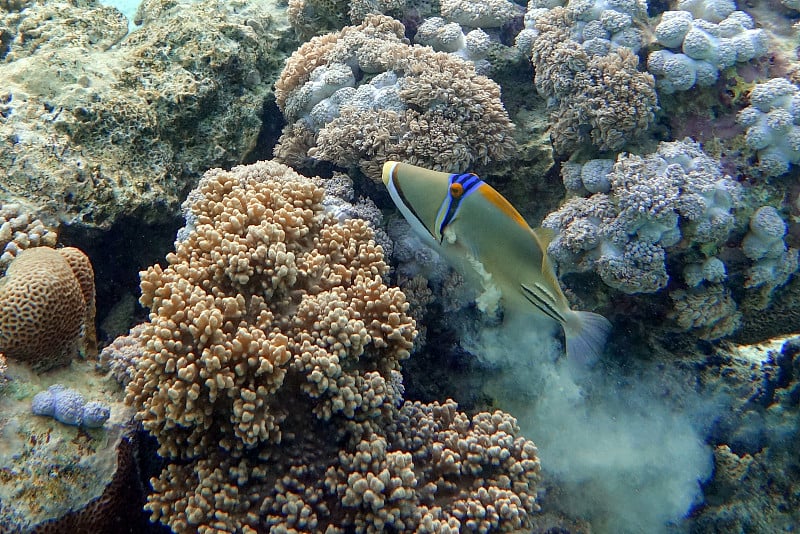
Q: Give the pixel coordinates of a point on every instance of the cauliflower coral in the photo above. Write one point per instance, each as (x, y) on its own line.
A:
(651, 204)
(364, 95)
(599, 97)
(269, 373)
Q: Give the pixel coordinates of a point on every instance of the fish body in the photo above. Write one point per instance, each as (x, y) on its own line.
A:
(485, 237)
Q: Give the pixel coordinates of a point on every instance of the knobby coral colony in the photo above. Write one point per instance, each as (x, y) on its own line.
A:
(269, 373)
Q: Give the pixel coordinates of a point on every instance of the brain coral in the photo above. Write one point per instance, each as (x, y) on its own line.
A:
(47, 307)
(269, 369)
(410, 103)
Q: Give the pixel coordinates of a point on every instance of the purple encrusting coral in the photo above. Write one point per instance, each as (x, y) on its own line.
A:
(69, 407)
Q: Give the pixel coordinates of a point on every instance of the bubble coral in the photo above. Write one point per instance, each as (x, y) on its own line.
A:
(765, 238)
(270, 367)
(483, 14)
(710, 10)
(772, 126)
(425, 107)
(448, 37)
(47, 307)
(710, 35)
(773, 261)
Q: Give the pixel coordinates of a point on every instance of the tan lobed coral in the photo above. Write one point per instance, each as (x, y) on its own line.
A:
(20, 228)
(437, 470)
(364, 95)
(264, 285)
(605, 92)
(441, 471)
(47, 307)
(270, 367)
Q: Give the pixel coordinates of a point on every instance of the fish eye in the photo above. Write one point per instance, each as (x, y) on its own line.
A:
(456, 190)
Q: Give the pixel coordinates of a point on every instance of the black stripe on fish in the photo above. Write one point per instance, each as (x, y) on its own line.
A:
(547, 308)
(406, 203)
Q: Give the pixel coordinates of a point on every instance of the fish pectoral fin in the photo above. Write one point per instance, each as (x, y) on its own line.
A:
(543, 300)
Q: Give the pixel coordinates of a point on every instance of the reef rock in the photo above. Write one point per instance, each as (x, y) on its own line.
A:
(98, 122)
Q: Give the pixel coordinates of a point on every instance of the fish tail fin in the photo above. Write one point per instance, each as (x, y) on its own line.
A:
(585, 334)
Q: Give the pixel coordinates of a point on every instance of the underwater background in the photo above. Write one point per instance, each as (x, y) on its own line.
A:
(213, 317)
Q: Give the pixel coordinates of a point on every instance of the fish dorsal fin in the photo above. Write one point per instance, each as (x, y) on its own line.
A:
(543, 236)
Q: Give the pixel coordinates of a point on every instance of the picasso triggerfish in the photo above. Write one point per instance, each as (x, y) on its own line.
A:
(478, 230)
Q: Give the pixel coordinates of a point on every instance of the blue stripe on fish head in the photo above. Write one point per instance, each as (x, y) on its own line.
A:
(461, 187)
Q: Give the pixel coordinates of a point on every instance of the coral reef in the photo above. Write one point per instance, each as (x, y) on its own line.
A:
(599, 96)
(268, 372)
(675, 195)
(410, 104)
(772, 121)
(69, 407)
(98, 123)
(755, 441)
(315, 17)
(47, 307)
(710, 35)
